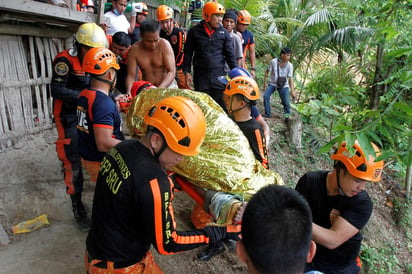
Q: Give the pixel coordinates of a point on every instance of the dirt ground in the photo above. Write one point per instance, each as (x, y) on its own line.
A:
(32, 184)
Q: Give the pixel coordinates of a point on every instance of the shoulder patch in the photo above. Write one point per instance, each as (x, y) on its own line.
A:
(61, 68)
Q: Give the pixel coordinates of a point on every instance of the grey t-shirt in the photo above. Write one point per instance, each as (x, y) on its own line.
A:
(286, 71)
(238, 49)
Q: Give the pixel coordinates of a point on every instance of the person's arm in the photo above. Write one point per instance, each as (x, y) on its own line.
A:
(265, 80)
(131, 69)
(189, 79)
(60, 78)
(238, 50)
(252, 58)
(290, 79)
(187, 59)
(132, 24)
(340, 232)
(228, 51)
(104, 139)
(169, 63)
(167, 239)
(181, 41)
(264, 126)
(292, 88)
(132, 20)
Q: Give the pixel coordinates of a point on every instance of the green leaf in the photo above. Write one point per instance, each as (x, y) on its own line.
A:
(326, 148)
(365, 144)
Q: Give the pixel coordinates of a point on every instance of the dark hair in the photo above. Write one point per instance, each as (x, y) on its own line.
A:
(121, 38)
(285, 50)
(277, 230)
(150, 25)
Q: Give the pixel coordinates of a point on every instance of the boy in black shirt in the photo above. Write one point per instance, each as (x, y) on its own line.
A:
(340, 208)
(240, 95)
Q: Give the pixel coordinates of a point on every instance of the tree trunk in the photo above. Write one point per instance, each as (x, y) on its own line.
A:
(377, 89)
(295, 129)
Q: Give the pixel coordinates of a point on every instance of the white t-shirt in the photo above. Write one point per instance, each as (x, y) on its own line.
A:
(116, 23)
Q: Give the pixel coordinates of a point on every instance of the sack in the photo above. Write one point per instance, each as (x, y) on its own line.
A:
(281, 82)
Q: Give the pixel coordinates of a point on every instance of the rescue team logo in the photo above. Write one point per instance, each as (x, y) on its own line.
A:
(82, 120)
(174, 39)
(377, 173)
(61, 68)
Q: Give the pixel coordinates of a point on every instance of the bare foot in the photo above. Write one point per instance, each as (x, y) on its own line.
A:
(237, 219)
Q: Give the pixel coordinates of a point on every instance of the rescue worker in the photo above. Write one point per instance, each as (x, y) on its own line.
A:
(340, 208)
(208, 57)
(68, 80)
(243, 21)
(176, 37)
(240, 95)
(239, 71)
(132, 206)
(141, 12)
(98, 117)
(120, 45)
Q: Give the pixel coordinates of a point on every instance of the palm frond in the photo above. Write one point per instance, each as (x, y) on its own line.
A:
(321, 16)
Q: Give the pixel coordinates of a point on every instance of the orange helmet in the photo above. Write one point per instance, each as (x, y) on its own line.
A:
(139, 86)
(358, 165)
(244, 17)
(243, 85)
(99, 60)
(181, 122)
(164, 12)
(141, 7)
(210, 8)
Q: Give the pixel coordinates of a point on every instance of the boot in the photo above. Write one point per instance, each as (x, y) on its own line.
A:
(79, 212)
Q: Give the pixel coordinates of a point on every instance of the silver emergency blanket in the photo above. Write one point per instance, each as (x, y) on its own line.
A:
(225, 162)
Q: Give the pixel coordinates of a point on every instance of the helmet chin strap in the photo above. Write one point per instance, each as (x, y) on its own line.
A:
(162, 148)
(111, 83)
(337, 179)
(232, 111)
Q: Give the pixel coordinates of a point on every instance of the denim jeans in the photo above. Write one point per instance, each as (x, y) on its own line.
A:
(284, 97)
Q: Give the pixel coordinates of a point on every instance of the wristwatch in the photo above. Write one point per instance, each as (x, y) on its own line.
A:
(252, 69)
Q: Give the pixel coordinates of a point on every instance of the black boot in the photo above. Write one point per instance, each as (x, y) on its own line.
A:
(210, 251)
(79, 212)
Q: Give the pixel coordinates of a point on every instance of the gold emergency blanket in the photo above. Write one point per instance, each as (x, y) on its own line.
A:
(225, 162)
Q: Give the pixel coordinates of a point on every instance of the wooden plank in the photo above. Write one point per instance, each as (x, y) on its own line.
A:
(11, 97)
(32, 30)
(21, 64)
(100, 12)
(42, 52)
(46, 10)
(49, 70)
(3, 115)
(35, 76)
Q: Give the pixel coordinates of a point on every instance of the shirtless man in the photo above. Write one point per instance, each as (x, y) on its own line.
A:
(153, 56)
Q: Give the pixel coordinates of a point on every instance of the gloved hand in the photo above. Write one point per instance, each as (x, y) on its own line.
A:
(124, 102)
(218, 233)
(134, 12)
(267, 137)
